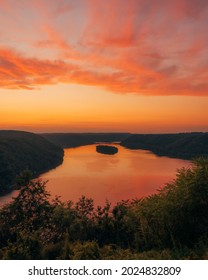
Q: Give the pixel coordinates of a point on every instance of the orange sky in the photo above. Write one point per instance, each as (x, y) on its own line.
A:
(93, 65)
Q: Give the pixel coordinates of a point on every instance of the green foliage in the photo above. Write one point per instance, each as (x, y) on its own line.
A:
(51, 251)
(177, 215)
(26, 247)
(172, 224)
(86, 251)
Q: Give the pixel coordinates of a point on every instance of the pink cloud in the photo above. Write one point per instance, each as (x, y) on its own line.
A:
(54, 38)
(137, 46)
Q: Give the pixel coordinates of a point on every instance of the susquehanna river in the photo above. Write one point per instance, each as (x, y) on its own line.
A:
(125, 175)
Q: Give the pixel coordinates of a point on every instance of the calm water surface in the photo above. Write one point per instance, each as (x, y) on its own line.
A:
(125, 175)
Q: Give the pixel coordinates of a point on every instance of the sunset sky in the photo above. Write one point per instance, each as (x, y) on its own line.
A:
(95, 66)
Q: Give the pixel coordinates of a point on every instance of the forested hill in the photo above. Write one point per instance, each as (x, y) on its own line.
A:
(181, 145)
(68, 140)
(23, 150)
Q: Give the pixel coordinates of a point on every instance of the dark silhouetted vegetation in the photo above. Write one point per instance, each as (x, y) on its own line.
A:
(68, 140)
(105, 149)
(181, 145)
(172, 224)
(23, 150)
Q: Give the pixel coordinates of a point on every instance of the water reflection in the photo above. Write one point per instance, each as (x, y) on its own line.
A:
(8, 197)
(127, 174)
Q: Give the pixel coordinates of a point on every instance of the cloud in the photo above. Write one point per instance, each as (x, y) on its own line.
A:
(19, 72)
(54, 39)
(134, 46)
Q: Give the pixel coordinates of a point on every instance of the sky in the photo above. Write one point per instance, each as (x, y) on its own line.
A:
(136, 66)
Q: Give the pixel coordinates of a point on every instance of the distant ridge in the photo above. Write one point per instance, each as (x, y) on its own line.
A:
(21, 150)
(68, 140)
(181, 145)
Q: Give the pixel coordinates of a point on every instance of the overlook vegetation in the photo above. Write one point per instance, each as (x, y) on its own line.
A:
(23, 150)
(172, 224)
(181, 145)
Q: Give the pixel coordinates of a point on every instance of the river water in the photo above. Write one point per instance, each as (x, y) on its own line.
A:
(125, 175)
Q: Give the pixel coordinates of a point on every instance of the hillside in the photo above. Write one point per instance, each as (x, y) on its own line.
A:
(181, 145)
(68, 140)
(23, 150)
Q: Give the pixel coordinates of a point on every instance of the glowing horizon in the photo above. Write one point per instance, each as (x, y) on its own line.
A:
(97, 66)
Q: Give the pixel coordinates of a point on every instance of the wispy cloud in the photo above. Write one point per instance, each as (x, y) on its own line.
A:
(137, 46)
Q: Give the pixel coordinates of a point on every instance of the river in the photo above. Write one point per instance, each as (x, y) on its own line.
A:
(126, 175)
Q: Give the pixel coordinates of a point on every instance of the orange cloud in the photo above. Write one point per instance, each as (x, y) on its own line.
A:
(17, 71)
(134, 46)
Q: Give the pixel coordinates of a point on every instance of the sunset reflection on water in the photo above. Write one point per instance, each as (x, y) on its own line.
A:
(125, 175)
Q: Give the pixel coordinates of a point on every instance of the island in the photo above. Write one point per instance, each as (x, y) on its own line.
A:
(106, 149)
